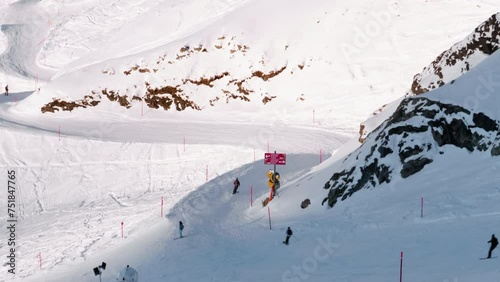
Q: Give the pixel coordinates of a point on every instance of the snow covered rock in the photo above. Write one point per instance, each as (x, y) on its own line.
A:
(408, 141)
(450, 64)
(460, 58)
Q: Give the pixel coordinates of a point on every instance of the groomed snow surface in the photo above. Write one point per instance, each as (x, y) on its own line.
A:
(80, 175)
(226, 240)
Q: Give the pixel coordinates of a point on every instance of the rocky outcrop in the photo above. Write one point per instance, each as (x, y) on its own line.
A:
(408, 141)
(460, 58)
(400, 142)
(448, 66)
(167, 96)
(61, 105)
(166, 89)
(305, 203)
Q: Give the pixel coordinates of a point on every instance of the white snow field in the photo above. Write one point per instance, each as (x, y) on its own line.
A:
(81, 174)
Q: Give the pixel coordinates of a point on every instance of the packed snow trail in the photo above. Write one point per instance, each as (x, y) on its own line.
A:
(211, 214)
(215, 218)
(273, 135)
(228, 241)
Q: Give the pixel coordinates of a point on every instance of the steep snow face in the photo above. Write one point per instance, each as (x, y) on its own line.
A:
(452, 63)
(460, 58)
(415, 133)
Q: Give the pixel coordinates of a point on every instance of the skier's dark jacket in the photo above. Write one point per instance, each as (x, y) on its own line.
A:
(289, 232)
(493, 241)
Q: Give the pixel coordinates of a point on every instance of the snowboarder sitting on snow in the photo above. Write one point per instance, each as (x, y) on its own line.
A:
(181, 227)
(289, 234)
(236, 185)
(494, 243)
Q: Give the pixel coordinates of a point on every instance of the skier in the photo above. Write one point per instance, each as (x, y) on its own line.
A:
(181, 227)
(236, 185)
(289, 234)
(494, 243)
(6, 90)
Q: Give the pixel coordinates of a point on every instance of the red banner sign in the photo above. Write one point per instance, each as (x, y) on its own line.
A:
(277, 159)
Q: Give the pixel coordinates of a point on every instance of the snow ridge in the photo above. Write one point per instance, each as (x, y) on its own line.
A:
(449, 65)
(460, 58)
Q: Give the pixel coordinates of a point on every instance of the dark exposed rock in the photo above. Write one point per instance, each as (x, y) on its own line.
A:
(453, 109)
(409, 151)
(495, 151)
(455, 133)
(61, 105)
(206, 81)
(384, 151)
(413, 166)
(485, 40)
(383, 174)
(167, 96)
(372, 150)
(324, 201)
(115, 97)
(265, 202)
(367, 173)
(483, 121)
(407, 128)
(339, 176)
(417, 127)
(371, 174)
(267, 76)
(305, 203)
(334, 194)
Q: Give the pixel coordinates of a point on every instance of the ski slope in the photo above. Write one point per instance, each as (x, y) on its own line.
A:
(84, 172)
(226, 240)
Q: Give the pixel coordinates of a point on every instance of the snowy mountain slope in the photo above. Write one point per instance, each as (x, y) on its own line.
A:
(66, 31)
(460, 58)
(228, 241)
(240, 52)
(74, 192)
(409, 140)
(74, 239)
(450, 64)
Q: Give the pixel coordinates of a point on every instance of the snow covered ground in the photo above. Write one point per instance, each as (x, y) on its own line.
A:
(82, 173)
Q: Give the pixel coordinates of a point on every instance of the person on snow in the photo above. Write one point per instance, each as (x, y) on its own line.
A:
(494, 243)
(236, 185)
(181, 227)
(6, 90)
(289, 234)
